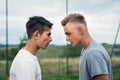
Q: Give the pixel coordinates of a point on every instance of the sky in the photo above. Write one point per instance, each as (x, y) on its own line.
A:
(102, 16)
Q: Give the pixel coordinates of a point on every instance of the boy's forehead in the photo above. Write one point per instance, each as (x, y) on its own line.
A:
(47, 30)
(69, 27)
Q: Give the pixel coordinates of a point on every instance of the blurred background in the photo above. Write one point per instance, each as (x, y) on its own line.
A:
(60, 61)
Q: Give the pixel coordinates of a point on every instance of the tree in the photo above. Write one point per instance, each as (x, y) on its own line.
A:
(13, 53)
(72, 51)
(23, 41)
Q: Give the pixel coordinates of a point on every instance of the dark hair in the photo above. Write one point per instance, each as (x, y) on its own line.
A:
(76, 17)
(37, 23)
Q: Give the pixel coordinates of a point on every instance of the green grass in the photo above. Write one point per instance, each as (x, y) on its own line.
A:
(53, 66)
(50, 52)
(55, 69)
(2, 70)
(61, 77)
(58, 65)
(116, 62)
(116, 73)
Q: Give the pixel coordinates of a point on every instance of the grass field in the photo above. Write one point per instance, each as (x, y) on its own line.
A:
(61, 77)
(55, 68)
(53, 63)
(58, 65)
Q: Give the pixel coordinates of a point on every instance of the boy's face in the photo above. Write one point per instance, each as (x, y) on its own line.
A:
(72, 34)
(44, 39)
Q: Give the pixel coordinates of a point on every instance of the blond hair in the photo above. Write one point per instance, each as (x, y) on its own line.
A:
(76, 17)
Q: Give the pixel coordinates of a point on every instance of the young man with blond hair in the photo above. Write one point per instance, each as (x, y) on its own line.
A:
(95, 62)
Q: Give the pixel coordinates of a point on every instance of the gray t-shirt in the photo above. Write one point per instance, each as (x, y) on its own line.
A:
(94, 61)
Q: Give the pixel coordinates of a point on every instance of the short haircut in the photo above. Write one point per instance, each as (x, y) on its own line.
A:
(37, 23)
(76, 17)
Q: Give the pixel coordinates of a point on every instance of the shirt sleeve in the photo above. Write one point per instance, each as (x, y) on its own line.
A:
(96, 63)
(25, 71)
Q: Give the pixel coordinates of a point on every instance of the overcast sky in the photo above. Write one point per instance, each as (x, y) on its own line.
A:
(103, 17)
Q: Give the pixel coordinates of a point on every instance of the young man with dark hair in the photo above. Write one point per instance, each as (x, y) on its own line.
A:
(95, 62)
(25, 65)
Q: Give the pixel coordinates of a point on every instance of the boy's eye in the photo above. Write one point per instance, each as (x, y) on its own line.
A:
(67, 33)
(49, 34)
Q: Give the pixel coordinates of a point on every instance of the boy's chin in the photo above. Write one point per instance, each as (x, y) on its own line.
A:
(74, 45)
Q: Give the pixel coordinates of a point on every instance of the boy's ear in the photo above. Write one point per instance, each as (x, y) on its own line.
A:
(36, 35)
(80, 30)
